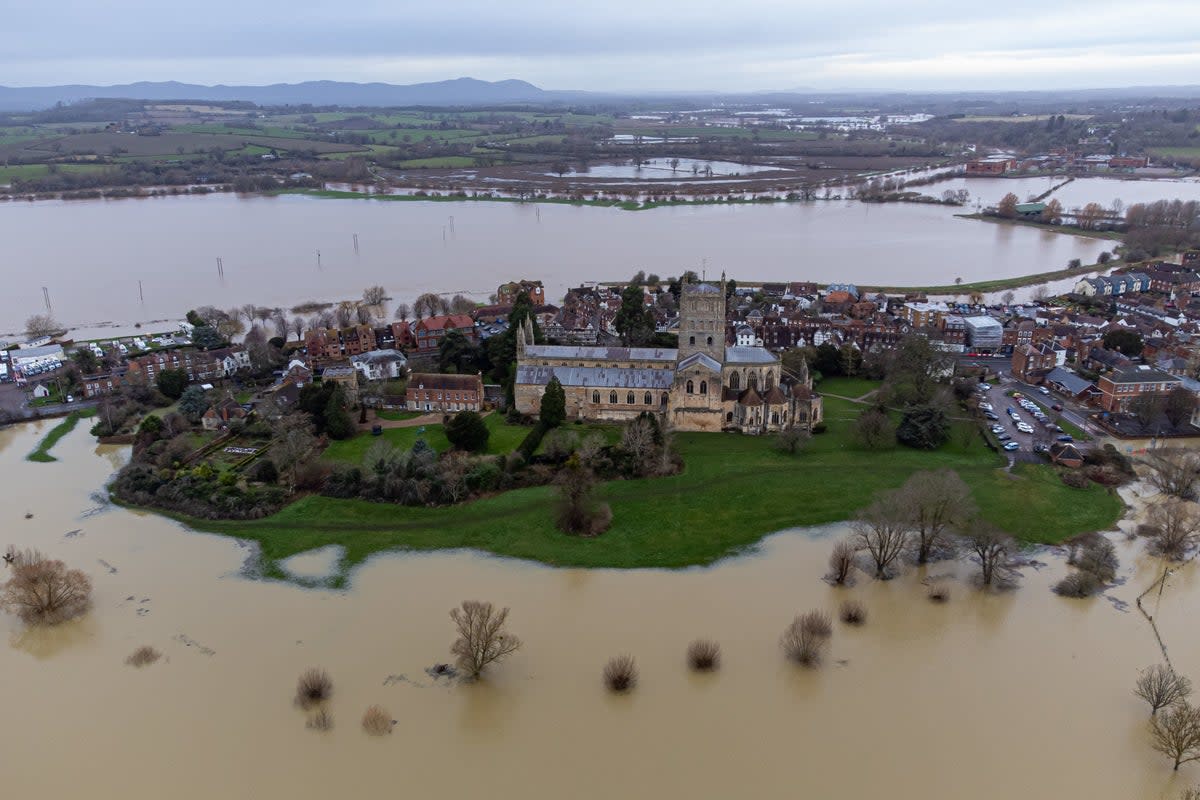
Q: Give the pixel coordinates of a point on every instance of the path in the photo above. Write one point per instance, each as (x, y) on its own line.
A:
(432, 418)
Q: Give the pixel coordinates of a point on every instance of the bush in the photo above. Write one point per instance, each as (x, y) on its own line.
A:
(313, 688)
(1078, 584)
(263, 471)
(938, 593)
(805, 640)
(841, 562)
(466, 430)
(704, 655)
(43, 591)
(621, 674)
(924, 428)
(853, 613)
(377, 721)
(1075, 479)
(529, 444)
(142, 656)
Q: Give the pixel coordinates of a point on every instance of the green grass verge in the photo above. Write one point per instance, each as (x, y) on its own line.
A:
(503, 438)
(733, 491)
(397, 416)
(41, 453)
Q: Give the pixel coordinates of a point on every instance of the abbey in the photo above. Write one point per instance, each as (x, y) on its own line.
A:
(704, 385)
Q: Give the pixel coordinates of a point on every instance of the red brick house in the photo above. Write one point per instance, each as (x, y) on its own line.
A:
(447, 393)
(1121, 387)
(1031, 362)
(431, 330)
(508, 293)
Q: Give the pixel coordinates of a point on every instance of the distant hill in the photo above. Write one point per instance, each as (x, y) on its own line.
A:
(461, 91)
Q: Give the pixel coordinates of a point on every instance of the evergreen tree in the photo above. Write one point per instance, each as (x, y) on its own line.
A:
(337, 420)
(634, 321)
(466, 430)
(553, 410)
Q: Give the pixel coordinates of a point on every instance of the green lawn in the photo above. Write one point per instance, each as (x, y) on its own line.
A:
(504, 439)
(443, 162)
(733, 491)
(847, 387)
(396, 416)
(41, 453)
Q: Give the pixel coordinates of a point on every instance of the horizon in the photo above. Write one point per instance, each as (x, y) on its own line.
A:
(632, 46)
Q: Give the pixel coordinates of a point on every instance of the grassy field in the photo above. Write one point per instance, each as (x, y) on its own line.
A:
(733, 491)
(1175, 152)
(504, 438)
(396, 416)
(41, 453)
(847, 387)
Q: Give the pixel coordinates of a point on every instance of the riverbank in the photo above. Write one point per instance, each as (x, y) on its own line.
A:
(733, 491)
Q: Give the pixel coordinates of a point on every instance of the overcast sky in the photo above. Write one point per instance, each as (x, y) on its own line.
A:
(609, 44)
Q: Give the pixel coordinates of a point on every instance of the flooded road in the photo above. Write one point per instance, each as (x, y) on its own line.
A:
(1020, 694)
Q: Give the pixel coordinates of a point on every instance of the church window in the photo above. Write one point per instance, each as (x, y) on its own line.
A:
(729, 416)
(595, 397)
(703, 387)
(629, 399)
(612, 397)
(774, 417)
(692, 340)
(735, 381)
(710, 341)
(663, 400)
(647, 400)
(691, 387)
(770, 380)
(752, 380)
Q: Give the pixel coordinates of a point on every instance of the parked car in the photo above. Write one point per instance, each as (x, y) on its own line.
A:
(70, 398)
(1023, 428)
(1057, 406)
(1066, 437)
(986, 406)
(991, 415)
(1011, 446)
(997, 429)
(1004, 437)
(985, 387)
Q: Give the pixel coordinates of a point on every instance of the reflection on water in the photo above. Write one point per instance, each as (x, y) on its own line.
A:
(1032, 689)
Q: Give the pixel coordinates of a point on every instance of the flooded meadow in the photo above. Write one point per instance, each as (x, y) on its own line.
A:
(990, 695)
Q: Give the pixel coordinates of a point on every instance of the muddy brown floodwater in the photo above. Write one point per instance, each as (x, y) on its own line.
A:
(1020, 694)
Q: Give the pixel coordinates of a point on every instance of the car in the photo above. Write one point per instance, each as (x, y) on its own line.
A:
(986, 406)
(1057, 407)
(1058, 428)
(1038, 447)
(1017, 395)
(1044, 390)
(991, 415)
(1004, 437)
(70, 398)
(997, 429)
(1010, 411)
(1024, 428)
(1010, 446)
(1066, 437)
(985, 387)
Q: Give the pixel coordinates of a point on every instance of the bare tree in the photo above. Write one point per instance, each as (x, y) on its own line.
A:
(345, 313)
(1008, 297)
(280, 319)
(991, 545)
(841, 562)
(1176, 733)
(461, 305)
(42, 591)
(1161, 687)
(791, 440)
(365, 314)
(42, 325)
(882, 531)
(1176, 528)
(804, 641)
(637, 439)
(482, 639)
(374, 296)
(1174, 471)
(247, 312)
(426, 305)
(298, 327)
(932, 503)
(263, 314)
(402, 311)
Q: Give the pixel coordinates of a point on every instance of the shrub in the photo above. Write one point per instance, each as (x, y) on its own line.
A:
(924, 428)
(621, 674)
(43, 591)
(1078, 584)
(704, 655)
(466, 430)
(1099, 557)
(263, 471)
(1074, 479)
(938, 593)
(322, 720)
(377, 721)
(841, 562)
(805, 640)
(312, 476)
(314, 687)
(853, 613)
(142, 656)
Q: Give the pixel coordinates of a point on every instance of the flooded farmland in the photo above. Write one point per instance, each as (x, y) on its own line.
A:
(1016, 694)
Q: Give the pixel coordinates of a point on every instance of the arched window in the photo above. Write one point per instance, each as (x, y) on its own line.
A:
(595, 397)
(692, 340)
(663, 400)
(691, 387)
(703, 387)
(774, 417)
(770, 380)
(710, 341)
(729, 416)
(647, 400)
(752, 380)
(629, 399)
(612, 397)
(735, 381)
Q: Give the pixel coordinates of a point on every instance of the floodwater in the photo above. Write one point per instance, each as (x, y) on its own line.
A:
(660, 169)
(991, 696)
(91, 255)
(1076, 194)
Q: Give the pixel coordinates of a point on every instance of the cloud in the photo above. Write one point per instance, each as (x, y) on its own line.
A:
(617, 44)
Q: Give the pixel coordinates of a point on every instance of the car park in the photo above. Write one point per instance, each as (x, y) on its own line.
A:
(1010, 446)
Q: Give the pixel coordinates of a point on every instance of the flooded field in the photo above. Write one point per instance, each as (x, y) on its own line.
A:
(1017, 694)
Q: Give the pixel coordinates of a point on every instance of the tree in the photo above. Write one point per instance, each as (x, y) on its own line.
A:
(1125, 341)
(1052, 213)
(193, 402)
(924, 427)
(337, 419)
(1179, 405)
(298, 327)
(42, 591)
(791, 440)
(460, 304)
(828, 360)
(402, 312)
(1175, 526)
(86, 360)
(633, 320)
(577, 512)
(1176, 733)
(207, 337)
(1008, 206)
(42, 325)
(932, 503)
(482, 639)
(882, 532)
(805, 640)
(873, 430)
(458, 354)
(1173, 471)
(991, 545)
(553, 409)
(1147, 408)
(427, 305)
(466, 430)
(172, 382)
(374, 296)
(841, 562)
(1161, 687)
(1007, 297)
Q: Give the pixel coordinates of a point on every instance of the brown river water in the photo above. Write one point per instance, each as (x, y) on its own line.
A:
(1016, 694)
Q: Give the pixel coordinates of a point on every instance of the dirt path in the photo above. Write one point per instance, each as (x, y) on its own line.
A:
(432, 418)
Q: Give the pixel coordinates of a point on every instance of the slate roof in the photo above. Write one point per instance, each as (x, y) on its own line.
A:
(1068, 380)
(749, 355)
(600, 377)
(702, 288)
(703, 359)
(663, 354)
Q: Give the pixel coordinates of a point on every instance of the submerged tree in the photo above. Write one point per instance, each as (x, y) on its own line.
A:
(992, 546)
(482, 639)
(1161, 687)
(883, 532)
(1176, 733)
(42, 591)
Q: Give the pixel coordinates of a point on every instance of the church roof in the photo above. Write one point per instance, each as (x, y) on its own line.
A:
(750, 397)
(664, 354)
(749, 355)
(703, 359)
(775, 397)
(701, 288)
(600, 377)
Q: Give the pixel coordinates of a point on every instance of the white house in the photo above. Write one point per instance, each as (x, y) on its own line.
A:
(380, 365)
(745, 336)
(40, 391)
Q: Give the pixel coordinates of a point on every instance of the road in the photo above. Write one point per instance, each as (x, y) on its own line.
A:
(14, 404)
